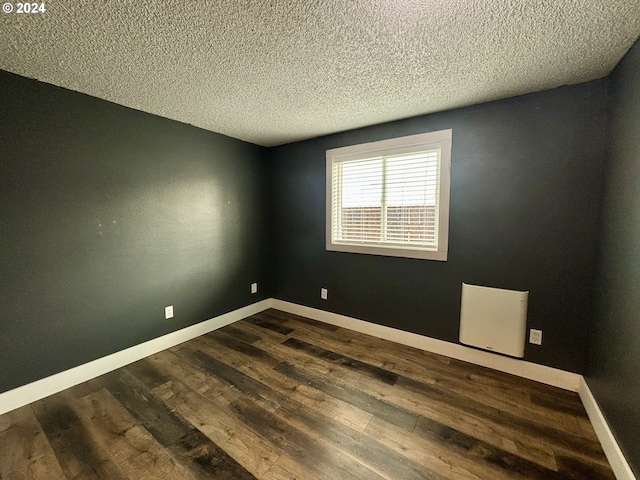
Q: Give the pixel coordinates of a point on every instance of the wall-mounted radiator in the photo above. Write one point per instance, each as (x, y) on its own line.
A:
(494, 319)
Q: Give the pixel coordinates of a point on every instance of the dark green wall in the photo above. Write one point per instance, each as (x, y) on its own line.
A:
(108, 214)
(614, 367)
(525, 190)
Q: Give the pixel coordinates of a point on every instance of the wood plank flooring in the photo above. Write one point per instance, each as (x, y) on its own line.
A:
(277, 396)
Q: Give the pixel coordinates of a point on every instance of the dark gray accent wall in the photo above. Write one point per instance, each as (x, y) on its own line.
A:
(525, 191)
(108, 214)
(614, 367)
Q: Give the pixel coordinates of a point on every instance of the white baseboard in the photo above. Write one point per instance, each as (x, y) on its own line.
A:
(533, 371)
(619, 464)
(31, 392)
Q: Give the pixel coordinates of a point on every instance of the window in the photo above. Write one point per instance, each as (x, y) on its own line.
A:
(390, 197)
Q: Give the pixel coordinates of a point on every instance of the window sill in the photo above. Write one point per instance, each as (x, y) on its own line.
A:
(391, 251)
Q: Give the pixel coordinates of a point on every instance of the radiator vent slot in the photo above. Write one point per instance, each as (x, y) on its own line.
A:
(494, 319)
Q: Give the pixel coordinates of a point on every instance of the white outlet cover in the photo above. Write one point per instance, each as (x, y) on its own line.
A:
(535, 336)
(254, 288)
(168, 312)
(323, 293)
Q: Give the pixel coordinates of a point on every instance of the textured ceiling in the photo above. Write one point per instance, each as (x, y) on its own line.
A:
(273, 71)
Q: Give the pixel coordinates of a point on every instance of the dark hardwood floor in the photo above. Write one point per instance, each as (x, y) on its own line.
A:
(276, 396)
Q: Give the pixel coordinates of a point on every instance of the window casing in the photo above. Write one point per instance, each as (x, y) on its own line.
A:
(391, 197)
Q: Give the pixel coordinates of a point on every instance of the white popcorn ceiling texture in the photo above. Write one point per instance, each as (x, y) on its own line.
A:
(274, 71)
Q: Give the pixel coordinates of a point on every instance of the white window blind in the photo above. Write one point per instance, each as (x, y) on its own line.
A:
(388, 197)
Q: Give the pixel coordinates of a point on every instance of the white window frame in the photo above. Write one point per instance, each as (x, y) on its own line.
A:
(408, 144)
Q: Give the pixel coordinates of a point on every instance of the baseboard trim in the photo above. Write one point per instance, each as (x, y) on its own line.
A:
(533, 371)
(31, 392)
(612, 450)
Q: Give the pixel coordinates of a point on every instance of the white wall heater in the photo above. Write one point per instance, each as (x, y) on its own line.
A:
(494, 319)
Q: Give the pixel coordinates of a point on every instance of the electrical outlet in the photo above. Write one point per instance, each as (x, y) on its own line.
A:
(535, 336)
(168, 312)
(323, 293)
(254, 288)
